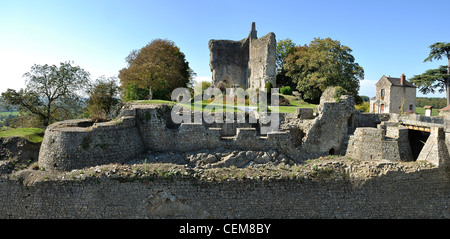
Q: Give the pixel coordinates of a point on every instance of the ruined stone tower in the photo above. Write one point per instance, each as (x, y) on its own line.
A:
(249, 62)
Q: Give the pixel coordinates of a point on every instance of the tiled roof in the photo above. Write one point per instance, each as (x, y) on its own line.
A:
(396, 82)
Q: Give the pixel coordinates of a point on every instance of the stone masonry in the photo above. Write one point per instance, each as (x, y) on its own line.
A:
(249, 63)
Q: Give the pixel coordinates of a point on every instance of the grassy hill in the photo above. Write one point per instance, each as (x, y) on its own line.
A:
(34, 135)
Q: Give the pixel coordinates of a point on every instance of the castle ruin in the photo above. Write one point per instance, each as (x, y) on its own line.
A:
(143, 165)
(249, 63)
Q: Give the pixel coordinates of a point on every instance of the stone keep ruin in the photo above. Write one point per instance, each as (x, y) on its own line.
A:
(335, 129)
(250, 62)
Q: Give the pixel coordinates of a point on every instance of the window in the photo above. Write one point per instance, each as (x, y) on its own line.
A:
(382, 93)
(411, 107)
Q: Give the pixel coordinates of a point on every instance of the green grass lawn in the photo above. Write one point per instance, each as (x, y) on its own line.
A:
(421, 111)
(34, 135)
(295, 103)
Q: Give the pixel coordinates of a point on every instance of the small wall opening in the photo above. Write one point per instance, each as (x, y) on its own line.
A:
(331, 152)
(85, 124)
(417, 140)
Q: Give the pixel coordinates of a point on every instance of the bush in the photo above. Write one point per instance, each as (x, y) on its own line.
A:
(134, 92)
(286, 90)
(364, 107)
(284, 102)
(268, 86)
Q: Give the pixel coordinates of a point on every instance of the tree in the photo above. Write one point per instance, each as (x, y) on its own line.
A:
(284, 48)
(201, 87)
(323, 63)
(52, 93)
(433, 79)
(436, 78)
(159, 67)
(102, 98)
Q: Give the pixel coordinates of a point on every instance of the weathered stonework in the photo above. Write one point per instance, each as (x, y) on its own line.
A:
(148, 128)
(340, 189)
(81, 143)
(249, 63)
(231, 170)
(335, 129)
(15, 151)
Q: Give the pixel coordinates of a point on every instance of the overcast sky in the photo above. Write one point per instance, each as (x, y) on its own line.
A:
(387, 37)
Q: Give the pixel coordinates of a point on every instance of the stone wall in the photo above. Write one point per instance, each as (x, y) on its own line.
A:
(388, 143)
(328, 132)
(80, 143)
(407, 93)
(157, 135)
(435, 149)
(250, 62)
(229, 61)
(385, 190)
(140, 127)
(262, 61)
(16, 151)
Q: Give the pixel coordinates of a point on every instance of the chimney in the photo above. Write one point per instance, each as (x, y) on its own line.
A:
(402, 80)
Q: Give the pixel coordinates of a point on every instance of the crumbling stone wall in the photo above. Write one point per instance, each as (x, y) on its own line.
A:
(366, 190)
(328, 132)
(80, 143)
(15, 151)
(142, 127)
(250, 62)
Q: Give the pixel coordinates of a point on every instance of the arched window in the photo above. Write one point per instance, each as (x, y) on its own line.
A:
(382, 93)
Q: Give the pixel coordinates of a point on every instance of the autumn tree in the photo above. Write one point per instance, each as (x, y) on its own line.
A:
(52, 93)
(435, 78)
(158, 68)
(323, 63)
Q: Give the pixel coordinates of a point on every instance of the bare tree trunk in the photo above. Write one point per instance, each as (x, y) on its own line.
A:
(447, 83)
(447, 91)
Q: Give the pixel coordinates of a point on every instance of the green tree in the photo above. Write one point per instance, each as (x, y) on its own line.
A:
(159, 67)
(432, 80)
(323, 63)
(102, 98)
(201, 86)
(133, 92)
(52, 93)
(284, 48)
(436, 78)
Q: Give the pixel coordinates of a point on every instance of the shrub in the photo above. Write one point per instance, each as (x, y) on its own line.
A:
(286, 90)
(284, 102)
(364, 107)
(268, 86)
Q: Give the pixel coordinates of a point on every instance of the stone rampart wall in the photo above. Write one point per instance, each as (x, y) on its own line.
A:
(421, 194)
(67, 146)
(158, 135)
